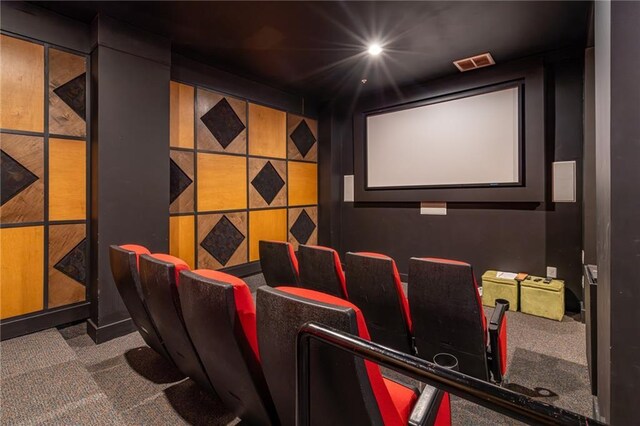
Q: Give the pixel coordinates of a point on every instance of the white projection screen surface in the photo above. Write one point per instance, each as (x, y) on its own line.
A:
(461, 142)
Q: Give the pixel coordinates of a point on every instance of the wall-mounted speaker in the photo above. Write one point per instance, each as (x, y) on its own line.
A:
(564, 182)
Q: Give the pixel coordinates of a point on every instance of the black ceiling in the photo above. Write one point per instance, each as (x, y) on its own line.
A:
(316, 48)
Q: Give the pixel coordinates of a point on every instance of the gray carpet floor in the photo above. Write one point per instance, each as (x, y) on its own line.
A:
(60, 377)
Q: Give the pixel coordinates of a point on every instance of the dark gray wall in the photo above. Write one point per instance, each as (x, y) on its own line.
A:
(618, 200)
(129, 158)
(507, 236)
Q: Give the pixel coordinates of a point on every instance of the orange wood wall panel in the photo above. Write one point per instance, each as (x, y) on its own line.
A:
(21, 85)
(303, 183)
(222, 182)
(182, 238)
(266, 225)
(267, 132)
(181, 115)
(67, 179)
(21, 270)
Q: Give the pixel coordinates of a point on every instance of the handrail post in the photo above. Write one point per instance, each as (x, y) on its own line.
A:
(303, 385)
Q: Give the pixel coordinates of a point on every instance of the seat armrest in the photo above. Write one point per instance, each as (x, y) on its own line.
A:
(497, 339)
(426, 409)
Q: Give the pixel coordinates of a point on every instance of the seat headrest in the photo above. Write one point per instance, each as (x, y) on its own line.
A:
(445, 261)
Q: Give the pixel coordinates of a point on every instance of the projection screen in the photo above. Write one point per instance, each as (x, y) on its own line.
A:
(467, 141)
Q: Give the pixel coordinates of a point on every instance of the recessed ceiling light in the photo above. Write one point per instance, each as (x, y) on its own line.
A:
(374, 49)
(364, 80)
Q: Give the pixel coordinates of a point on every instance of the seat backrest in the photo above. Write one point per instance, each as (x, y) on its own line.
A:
(374, 285)
(159, 276)
(279, 263)
(345, 390)
(124, 268)
(219, 313)
(447, 313)
(321, 270)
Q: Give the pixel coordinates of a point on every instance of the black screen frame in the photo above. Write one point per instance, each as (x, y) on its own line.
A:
(518, 84)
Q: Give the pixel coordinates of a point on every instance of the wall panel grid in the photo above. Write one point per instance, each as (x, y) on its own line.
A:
(240, 172)
(44, 168)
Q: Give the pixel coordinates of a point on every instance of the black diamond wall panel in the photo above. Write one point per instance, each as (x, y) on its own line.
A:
(223, 123)
(178, 181)
(223, 240)
(268, 182)
(73, 264)
(303, 228)
(73, 93)
(15, 177)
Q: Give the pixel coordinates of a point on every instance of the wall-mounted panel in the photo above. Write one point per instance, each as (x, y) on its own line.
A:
(181, 235)
(303, 183)
(303, 226)
(181, 115)
(222, 123)
(43, 168)
(267, 132)
(22, 175)
(222, 240)
(67, 94)
(21, 85)
(237, 188)
(268, 183)
(266, 225)
(222, 182)
(181, 178)
(21, 270)
(67, 264)
(67, 179)
(302, 138)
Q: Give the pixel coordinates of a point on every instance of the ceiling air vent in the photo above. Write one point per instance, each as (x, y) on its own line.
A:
(474, 62)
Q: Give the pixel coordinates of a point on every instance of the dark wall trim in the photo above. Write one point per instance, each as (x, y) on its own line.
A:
(19, 326)
(40, 24)
(109, 331)
(116, 35)
(189, 71)
(244, 270)
(531, 72)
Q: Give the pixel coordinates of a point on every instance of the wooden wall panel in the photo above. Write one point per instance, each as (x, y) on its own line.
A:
(181, 177)
(67, 179)
(303, 226)
(182, 238)
(267, 183)
(222, 182)
(22, 178)
(267, 132)
(21, 270)
(303, 183)
(67, 94)
(266, 225)
(181, 115)
(67, 264)
(21, 85)
(222, 240)
(221, 123)
(302, 138)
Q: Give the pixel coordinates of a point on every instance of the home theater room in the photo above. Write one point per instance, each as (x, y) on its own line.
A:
(320, 213)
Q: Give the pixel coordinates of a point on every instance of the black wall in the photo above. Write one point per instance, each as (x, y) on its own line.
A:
(129, 158)
(506, 236)
(617, 50)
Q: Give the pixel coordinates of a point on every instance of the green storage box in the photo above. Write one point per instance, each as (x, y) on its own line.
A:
(543, 300)
(499, 288)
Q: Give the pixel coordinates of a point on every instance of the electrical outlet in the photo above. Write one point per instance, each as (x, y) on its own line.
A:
(552, 272)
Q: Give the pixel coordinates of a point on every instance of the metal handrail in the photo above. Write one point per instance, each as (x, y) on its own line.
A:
(483, 393)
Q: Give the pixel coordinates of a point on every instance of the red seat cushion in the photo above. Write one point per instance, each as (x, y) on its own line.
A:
(138, 250)
(502, 344)
(393, 401)
(403, 398)
(404, 303)
(245, 308)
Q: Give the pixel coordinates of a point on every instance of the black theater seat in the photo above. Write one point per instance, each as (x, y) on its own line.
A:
(279, 263)
(345, 390)
(124, 268)
(448, 317)
(374, 285)
(321, 270)
(159, 276)
(219, 313)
